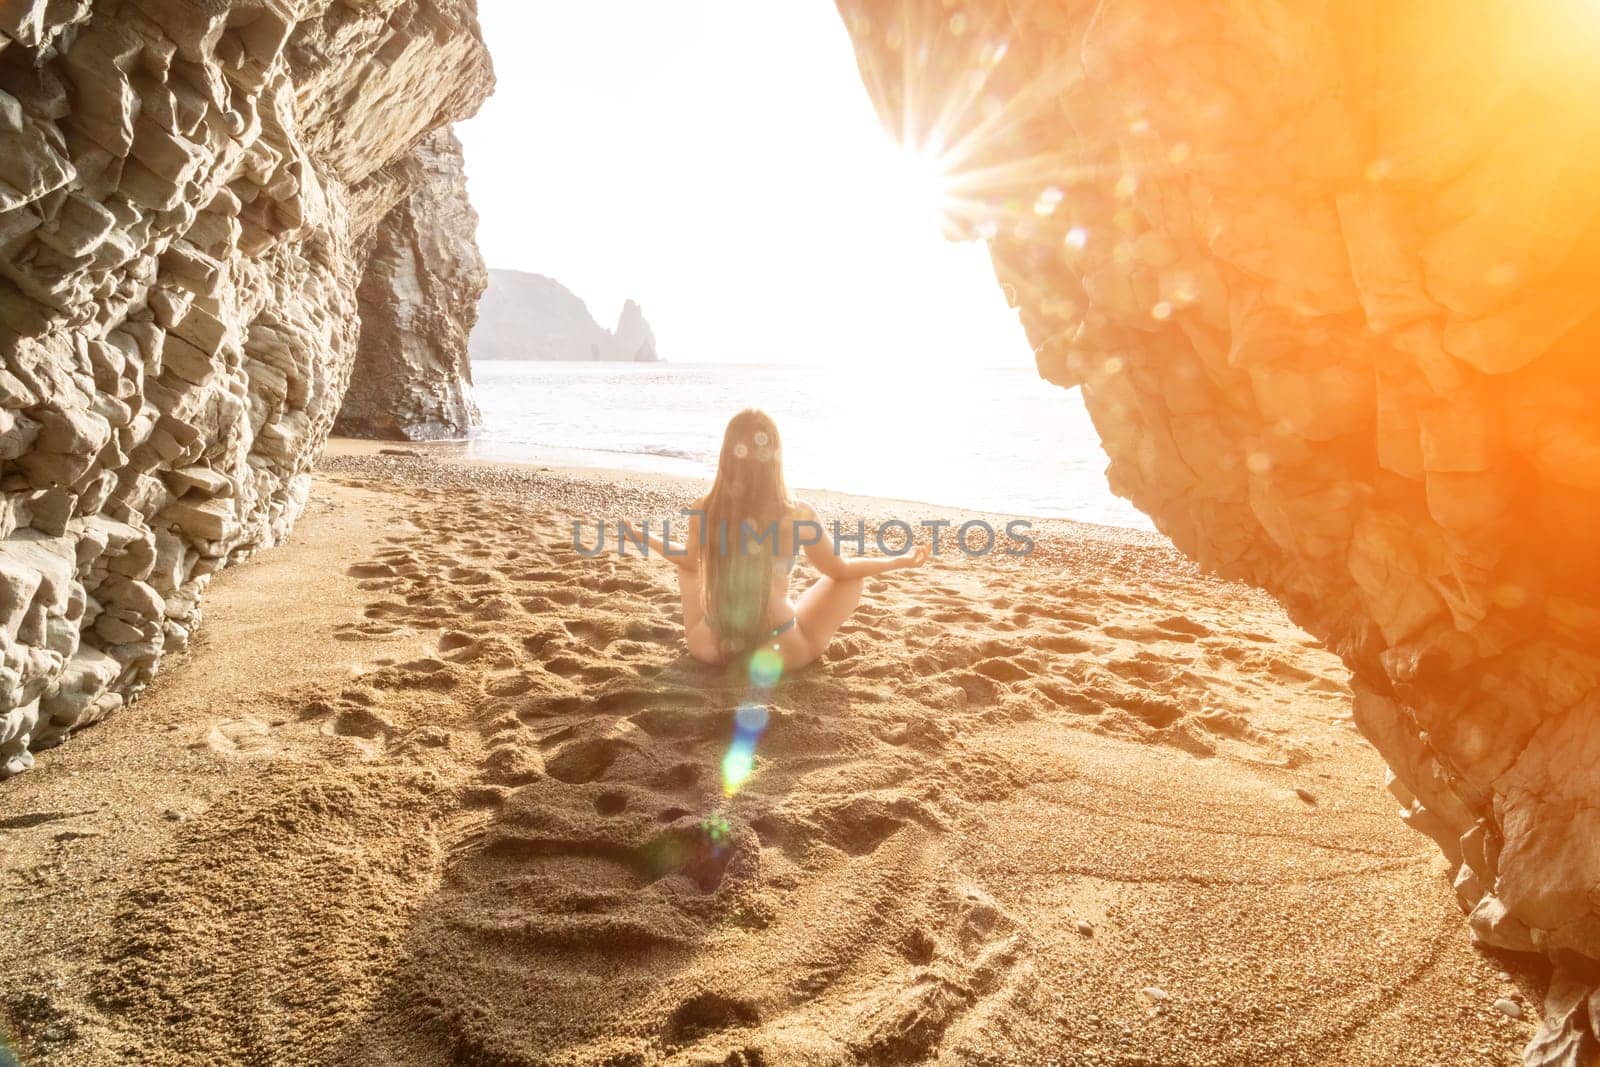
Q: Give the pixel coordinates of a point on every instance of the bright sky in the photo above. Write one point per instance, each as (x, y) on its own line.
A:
(719, 162)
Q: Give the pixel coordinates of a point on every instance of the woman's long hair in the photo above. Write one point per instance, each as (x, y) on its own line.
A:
(749, 493)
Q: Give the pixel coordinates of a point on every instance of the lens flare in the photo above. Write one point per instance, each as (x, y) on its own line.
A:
(766, 667)
(750, 718)
(749, 722)
(738, 765)
(923, 181)
(718, 830)
(10, 1049)
(662, 855)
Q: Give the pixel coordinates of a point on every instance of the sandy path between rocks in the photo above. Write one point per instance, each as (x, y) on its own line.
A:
(431, 788)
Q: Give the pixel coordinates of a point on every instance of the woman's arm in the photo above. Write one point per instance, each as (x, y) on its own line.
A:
(685, 556)
(829, 563)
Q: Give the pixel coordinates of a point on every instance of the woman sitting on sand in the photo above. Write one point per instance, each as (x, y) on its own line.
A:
(735, 586)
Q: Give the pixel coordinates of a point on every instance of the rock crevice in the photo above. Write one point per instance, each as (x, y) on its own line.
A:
(418, 301)
(187, 191)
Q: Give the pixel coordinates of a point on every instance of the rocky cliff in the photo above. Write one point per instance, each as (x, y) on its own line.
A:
(417, 302)
(189, 190)
(1325, 274)
(530, 316)
(633, 339)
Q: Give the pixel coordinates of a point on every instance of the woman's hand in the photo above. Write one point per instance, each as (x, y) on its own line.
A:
(677, 555)
(915, 558)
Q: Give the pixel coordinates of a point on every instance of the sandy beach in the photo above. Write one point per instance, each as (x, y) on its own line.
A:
(432, 788)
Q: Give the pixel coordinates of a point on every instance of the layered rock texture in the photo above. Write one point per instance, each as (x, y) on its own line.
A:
(417, 302)
(1326, 274)
(530, 316)
(188, 193)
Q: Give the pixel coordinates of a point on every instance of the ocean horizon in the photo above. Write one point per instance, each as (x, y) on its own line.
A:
(995, 439)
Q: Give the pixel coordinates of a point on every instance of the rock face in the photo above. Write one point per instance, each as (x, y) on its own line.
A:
(188, 190)
(417, 301)
(1326, 276)
(633, 339)
(529, 316)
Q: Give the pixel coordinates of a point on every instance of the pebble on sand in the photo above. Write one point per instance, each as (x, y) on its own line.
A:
(1085, 927)
(1305, 794)
(1508, 1007)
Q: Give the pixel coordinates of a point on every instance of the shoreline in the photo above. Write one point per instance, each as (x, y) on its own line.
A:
(1063, 548)
(428, 786)
(455, 451)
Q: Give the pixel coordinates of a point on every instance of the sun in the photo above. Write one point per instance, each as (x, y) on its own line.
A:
(921, 177)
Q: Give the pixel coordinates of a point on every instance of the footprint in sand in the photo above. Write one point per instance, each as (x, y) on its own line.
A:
(856, 825)
(623, 585)
(611, 802)
(1072, 700)
(705, 1014)
(1147, 634)
(586, 751)
(1059, 614)
(544, 577)
(548, 599)
(1288, 671)
(245, 736)
(1004, 670)
(1150, 670)
(543, 707)
(512, 684)
(456, 641)
(971, 958)
(591, 633)
(1061, 644)
(369, 631)
(1180, 624)
(656, 632)
(565, 666)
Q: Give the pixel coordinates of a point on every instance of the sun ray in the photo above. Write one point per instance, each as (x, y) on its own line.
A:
(944, 124)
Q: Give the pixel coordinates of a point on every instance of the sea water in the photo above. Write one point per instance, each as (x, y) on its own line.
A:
(988, 439)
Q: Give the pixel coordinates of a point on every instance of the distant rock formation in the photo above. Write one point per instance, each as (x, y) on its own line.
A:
(418, 300)
(530, 316)
(1326, 274)
(188, 192)
(633, 339)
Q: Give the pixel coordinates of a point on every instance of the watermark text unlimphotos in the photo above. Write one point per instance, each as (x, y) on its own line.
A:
(892, 537)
